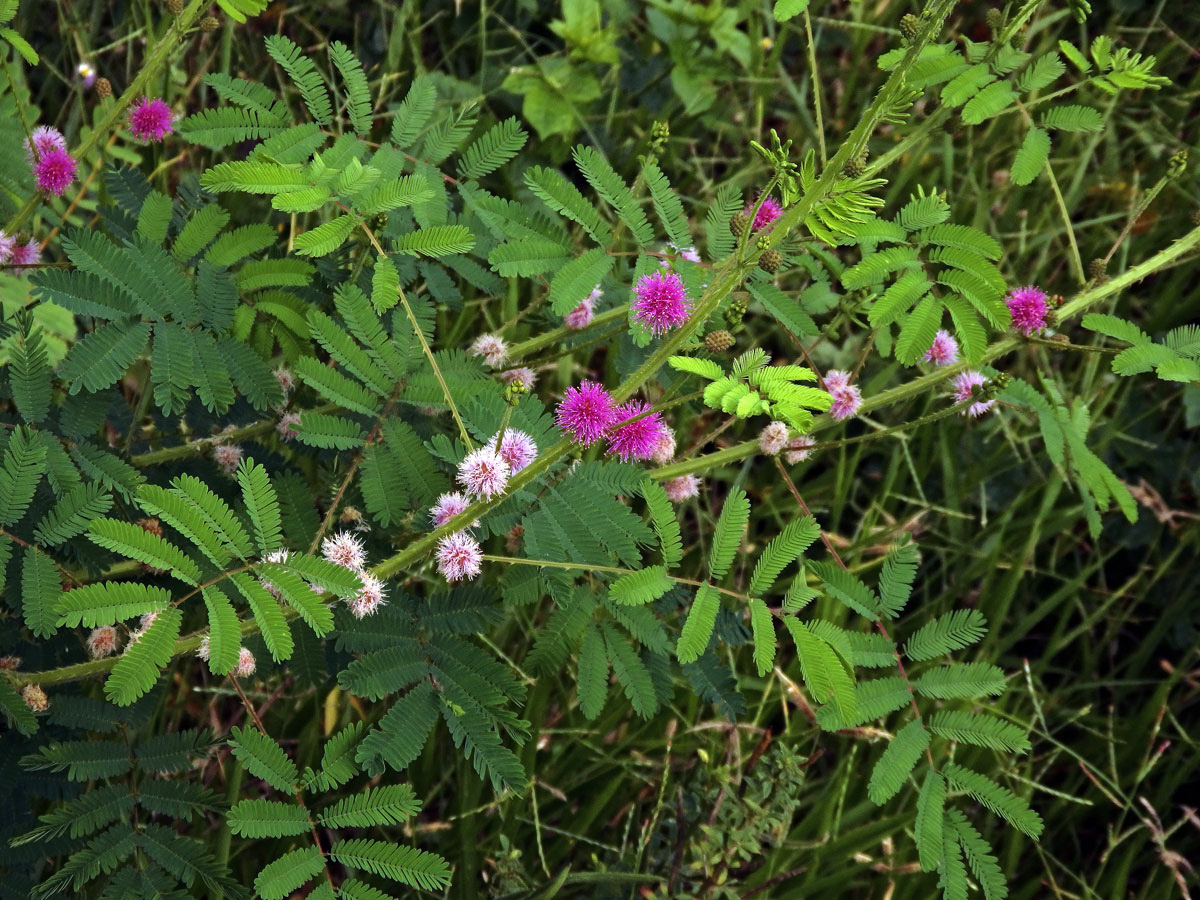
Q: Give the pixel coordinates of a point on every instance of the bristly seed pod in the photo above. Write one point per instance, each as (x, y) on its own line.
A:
(855, 167)
(175, 6)
(910, 25)
(1196, 216)
(738, 223)
(1097, 269)
(210, 24)
(718, 341)
(103, 88)
(770, 261)
(995, 21)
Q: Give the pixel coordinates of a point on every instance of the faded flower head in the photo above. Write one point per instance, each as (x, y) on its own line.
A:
(54, 171)
(587, 412)
(102, 642)
(965, 384)
(682, 488)
(228, 457)
(150, 120)
(847, 398)
(245, 664)
(286, 379)
(767, 213)
(459, 557)
(368, 600)
(581, 316)
(484, 473)
(636, 438)
(204, 650)
(10, 663)
(773, 438)
(287, 426)
(516, 448)
(492, 348)
(523, 374)
(664, 450)
(42, 140)
(346, 550)
(799, 449)
(943, 351)
(662, 302)
(1028, 307)
(35, 698)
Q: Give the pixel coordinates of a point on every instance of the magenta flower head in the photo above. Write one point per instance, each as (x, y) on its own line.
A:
(1028, 308)
(42, 141)
(54, 171)
(964, 389)
(447, 507)
(767, 213)
(459, 557)
(662, 303)
(682, 488)
(847, 398)
(151, 120)
(587, 412)
(26, 254)
(943, 351)
(636, 438)
(516, 448)
(484, 473)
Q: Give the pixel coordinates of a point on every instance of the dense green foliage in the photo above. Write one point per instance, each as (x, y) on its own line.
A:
(943, 644)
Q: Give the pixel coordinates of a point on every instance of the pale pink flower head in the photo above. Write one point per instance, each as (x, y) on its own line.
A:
(42, 140)
(1028, 307)
(102, 642)
(587, 412)
(228, 457)
(581, 316)
(492, 348)
(447, 507)
(636, 438)
(286, 379)
(484, 473)
(847, 398)
(151, 120)
(523, 374)
(245, 664)
(54, 171)
(664, 450)
(516, 448)
(27, 254)
(773, 438)
(459, 557)
(662, 302)
(7, 244)
(205, 649)
(943, 351)
(682, 488)
(287, 426)
(767, 213)
(368, 600)
(799, 449)
(688, 253)
(35, 698)
(965, 384)
(836, 379)
(346, 550)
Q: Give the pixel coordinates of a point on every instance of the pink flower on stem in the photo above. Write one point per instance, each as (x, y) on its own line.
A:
(228, 457)
(773, 438)
(516, 448)
(587, 412)
(459, 557)
(54, 171)
(682, 488)
(965, 384)
(346, 550)
(799, 449)
(943, 351)
(847, 398)
(638, 433)
(150, 120)
(286, 379)
(664, 451)
(27, 254)
(447, 507)
(7, 244)
(369, 598)
(42, 140)
(492, 348)
(245, 664)
(767, 213)
(662, 302)
(102, 642)
(523, 374)
(581, 316)
(484, 473)
(287, 426)
(1028, 307)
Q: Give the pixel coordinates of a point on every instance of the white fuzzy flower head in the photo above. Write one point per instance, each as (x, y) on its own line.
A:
(664, 450)
(517, 449)
(286, 379)
(523, 374)
(773, 438)
(102, 642)
(484, 473)
(346, 550)
(203, 651)
(287, 426)
(492, 348)
(275, 556)
(245, 664)
(459, 557)
(682, 488)
(799, 449)
(368, 600)
(228, 457)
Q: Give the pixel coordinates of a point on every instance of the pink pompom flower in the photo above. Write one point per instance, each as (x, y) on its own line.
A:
(581, 316)
(42, 140)
(484, 473)
(447, 507)
(1028, 307)
(492, 348)
(767, 213)
(943, 351)
(27, 254)
(245, 664)
(516, 448)
(228, 457)
(7, 244)
(151, 120)
(662, 302)
(847, 398)
(370, 597)
(523, 374)
(587, 412)
(634, 437)
(346, 550)
(54, 171)
(799, 449)
(682, 488)
(459, 557)
(102, 642)
(664, 451)
(965, 384)
(287, 426)
(773, 438)
(286, 379)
